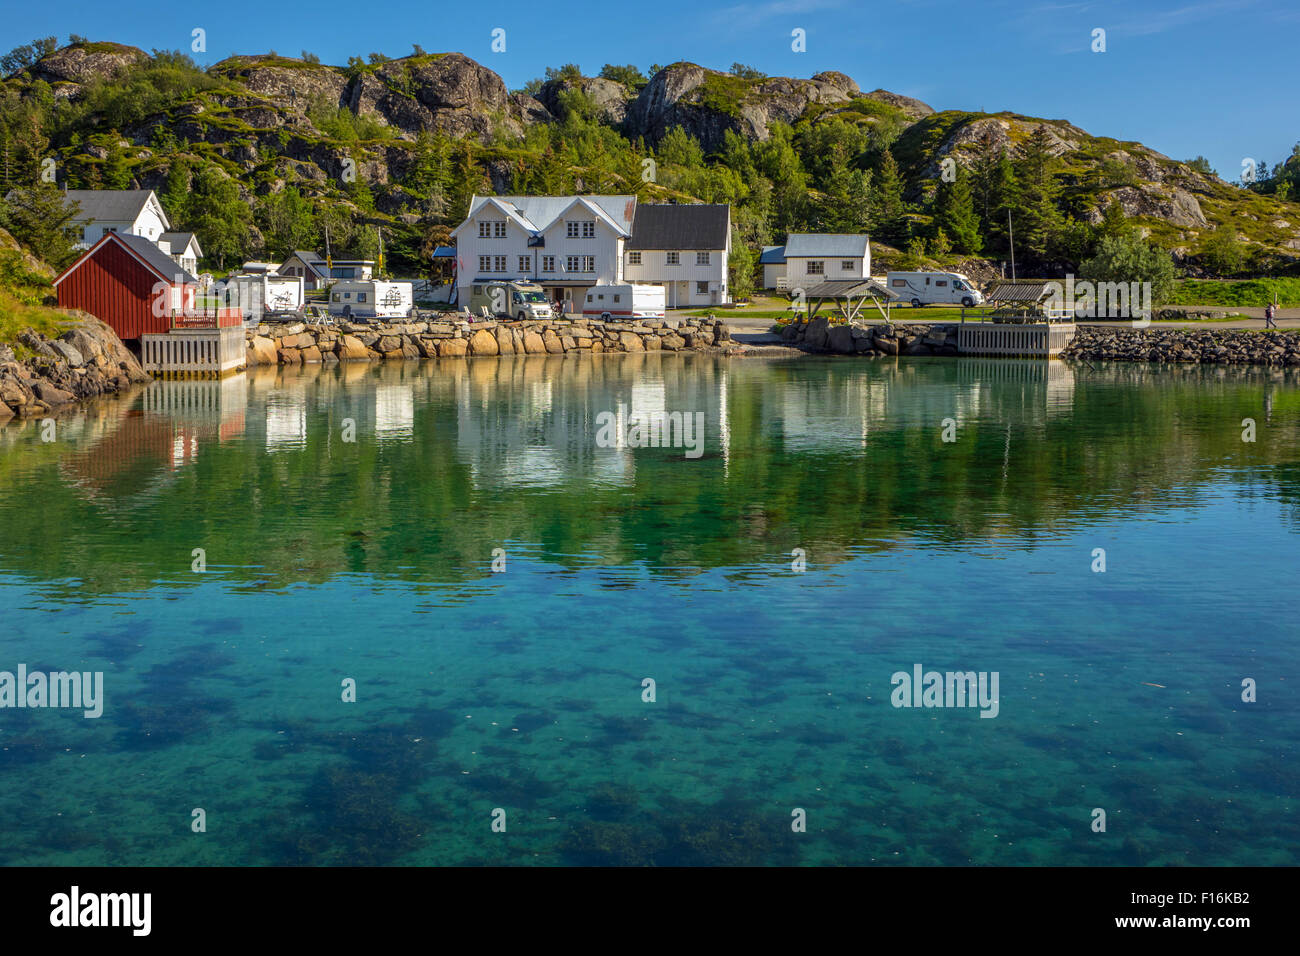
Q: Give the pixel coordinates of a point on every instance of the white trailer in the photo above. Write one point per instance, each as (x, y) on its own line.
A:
(934, 288)
(635, 300)
(259, 293)
(371, 299)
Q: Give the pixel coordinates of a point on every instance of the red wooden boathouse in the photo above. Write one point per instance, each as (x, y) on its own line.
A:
(140, 291)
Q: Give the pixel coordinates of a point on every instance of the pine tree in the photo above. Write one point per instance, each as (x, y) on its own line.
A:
(1038, 221)
(891, 222)
(955, 214)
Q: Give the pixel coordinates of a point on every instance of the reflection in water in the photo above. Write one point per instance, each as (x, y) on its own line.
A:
(521, 690)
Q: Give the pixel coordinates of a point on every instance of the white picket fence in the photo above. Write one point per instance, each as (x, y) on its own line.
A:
(987, 338)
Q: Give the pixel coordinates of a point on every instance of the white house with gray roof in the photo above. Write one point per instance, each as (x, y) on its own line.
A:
(566, 244)
(132, 212)
(808, 258)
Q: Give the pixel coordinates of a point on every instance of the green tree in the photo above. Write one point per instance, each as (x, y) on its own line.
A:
(680, 148)
(891, 222)
(1225, 254)
(1038, 220)
(740, 267)
(627, 75)
(38, 216)
(954, 214)
(1129, 259)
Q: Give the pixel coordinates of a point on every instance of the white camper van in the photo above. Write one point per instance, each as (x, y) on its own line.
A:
(372, 299)
(934, 288)
(625, 301)
(259, 293)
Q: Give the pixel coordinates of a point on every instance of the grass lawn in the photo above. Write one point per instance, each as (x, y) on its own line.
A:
(16, 316)
(1229, 292)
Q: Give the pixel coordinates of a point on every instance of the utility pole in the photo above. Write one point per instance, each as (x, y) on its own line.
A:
(1012, 236)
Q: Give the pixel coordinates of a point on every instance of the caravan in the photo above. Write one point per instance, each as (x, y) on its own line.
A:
(371, 300)
(934, 288)
(626, 301)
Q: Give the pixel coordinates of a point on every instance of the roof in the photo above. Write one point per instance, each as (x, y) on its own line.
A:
(680, 226)
(830, 245)
(772, 256)
(148, 254)
(538, 213)
(444, 252)
(308, 258)
(1022, 290)
(155, 258)
(112, 205)
(179, 241)
(847, 288)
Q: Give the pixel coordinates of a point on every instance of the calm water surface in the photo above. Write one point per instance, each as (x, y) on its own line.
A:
(372, 560)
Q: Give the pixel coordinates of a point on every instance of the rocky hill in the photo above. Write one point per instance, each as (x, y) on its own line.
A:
(269, 122)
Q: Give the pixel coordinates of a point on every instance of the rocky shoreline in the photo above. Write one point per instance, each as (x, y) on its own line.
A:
(818, 335)
(301, 343)
(86, 361)
(1196, 346)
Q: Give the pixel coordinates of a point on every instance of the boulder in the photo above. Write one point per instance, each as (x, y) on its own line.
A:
(452, 348)
(483, 342)
(351, 347)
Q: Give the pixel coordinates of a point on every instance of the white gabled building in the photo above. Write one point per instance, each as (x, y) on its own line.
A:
(132, 212)
(567, 244)
(808, 258)
(684, 248)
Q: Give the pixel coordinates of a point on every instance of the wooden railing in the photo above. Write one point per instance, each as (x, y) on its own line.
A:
(997, 339)
(208, 317)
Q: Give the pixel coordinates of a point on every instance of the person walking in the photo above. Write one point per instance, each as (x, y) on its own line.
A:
(1268, 316)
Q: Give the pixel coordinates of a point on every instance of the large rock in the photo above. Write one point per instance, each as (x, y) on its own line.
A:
(351, 347)
(706, 103)
(840, 339)
(85, 62)
(452, 348)
(483, 342)
(817, 333)
(610, 98)
(534, 344)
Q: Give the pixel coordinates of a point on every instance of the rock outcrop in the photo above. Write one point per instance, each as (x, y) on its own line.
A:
(39, 375)
(71, 67)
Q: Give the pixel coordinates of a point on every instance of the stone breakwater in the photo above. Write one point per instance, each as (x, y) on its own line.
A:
(40, 375)
(1198, 346)
(300, 344)
(819, 335)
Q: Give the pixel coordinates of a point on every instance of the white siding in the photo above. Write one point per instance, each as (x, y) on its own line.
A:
(680, 281)
(797, 268)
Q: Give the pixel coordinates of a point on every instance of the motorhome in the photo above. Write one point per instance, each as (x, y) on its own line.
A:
(510, 298)
(259, 293)
(625, 301)
(934, 288)
(372, 299)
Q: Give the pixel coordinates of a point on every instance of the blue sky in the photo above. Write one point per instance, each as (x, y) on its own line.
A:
(1214, 77)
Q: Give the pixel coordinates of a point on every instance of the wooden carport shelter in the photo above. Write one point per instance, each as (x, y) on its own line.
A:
(849, 297)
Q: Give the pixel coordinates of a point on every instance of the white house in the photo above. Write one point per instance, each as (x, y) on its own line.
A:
(184, 248)
(809, 258)
(563, 243)
(567, 244)
(133, 212)
(684, 248)
(317, 273)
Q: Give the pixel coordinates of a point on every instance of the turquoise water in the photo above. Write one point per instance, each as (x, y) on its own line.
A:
(522, 690)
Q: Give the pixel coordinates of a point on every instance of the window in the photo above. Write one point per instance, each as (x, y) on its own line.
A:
(337, 297)
(941, 283)
(701, 258)
(617, 298)
(548, 263)
(702, 288)
(846, 265)
(572, 263)
(816, 267)
(899, 283)
(634, 258)
(361, 297)
(498, 263)
(347, 295)
(492, 229)
(588, 263)
(584, 229)
(484, 263)
(525, 263)
(674, 258)
(588, 296)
